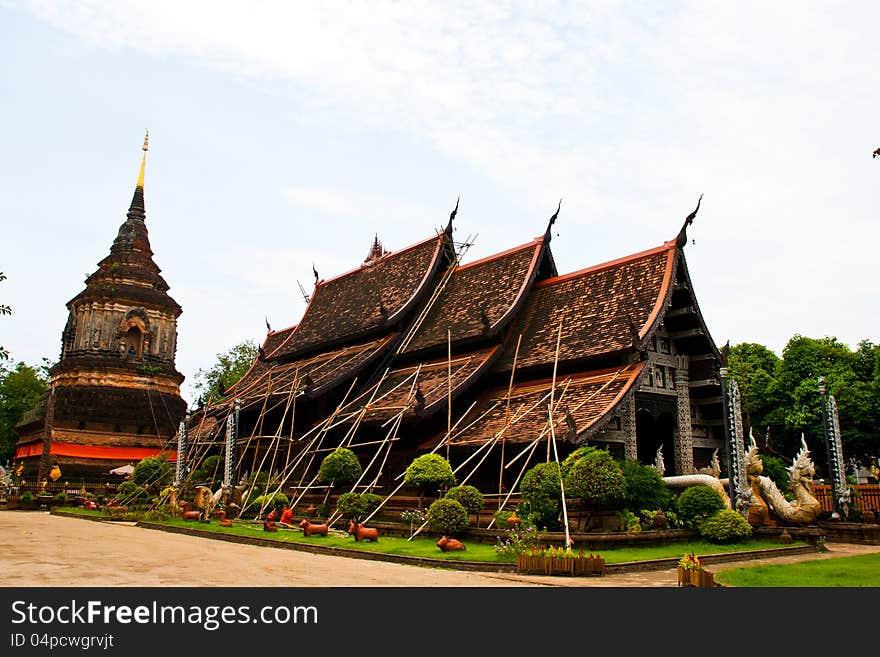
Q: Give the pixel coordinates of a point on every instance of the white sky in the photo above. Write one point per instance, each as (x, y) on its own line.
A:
(283, 134)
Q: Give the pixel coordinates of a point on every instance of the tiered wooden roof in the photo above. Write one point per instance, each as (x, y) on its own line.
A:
(480, 298)
(581, 403)
(488, 335)
(367, 300)
(606, 309)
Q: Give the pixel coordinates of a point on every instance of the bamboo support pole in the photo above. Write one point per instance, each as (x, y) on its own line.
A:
(507, 414)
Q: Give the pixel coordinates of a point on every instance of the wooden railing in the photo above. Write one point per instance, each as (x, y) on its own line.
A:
(865, 497)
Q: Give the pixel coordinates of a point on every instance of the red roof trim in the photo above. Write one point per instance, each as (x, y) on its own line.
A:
(495, 256)
(373, 263)
(607, 265)
(662, 297)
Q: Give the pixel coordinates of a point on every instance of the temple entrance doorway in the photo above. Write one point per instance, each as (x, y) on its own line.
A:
(652, 432)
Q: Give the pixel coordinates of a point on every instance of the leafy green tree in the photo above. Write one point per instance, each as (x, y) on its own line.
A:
(781, 394)
(541, 490)
(429, 472)
(447, 516)
(152, 474)
(756, 368)
(340, 467)
(469, 496)
(20, 389)
(231, 365)
(597, 479)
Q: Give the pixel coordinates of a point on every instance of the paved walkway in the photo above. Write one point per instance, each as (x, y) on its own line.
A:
(40, 549)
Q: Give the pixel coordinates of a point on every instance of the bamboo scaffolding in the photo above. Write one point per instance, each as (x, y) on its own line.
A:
(507, 415)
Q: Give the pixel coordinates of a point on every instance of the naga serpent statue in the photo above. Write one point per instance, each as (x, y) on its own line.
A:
(806, 508)
(767, 505)
(704, 477)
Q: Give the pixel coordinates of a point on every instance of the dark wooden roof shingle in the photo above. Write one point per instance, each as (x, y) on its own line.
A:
(480, 298)
(599, 308)
(370, 298)
(583, 400)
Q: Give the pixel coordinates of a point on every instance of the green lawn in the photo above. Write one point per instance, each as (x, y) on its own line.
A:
(426, 547)
(858, 571)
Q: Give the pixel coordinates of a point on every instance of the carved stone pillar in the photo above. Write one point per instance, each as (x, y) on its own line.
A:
(684, 439)
(628, 426)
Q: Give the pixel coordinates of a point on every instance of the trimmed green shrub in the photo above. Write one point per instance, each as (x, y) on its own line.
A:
(645, 488)
(629, 522)
(695, 503)
(356, 506)
(574, 457)
(596, 479)
(541, 496)
(469, 496)
(725, 526)
(26, 497)
(447, 516)
(152, 473)
(130, 494)
(429, 472)
(61, 497)
(340, 466)
(501, 517)
(270, 500)
(209, 473)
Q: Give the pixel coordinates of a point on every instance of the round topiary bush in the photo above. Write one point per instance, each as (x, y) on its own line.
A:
(152, 473)
(469, 496)
(725, 526)
(340, 466)
(447, 516)
(427, 472)
(597, 479)
(356, 506)
(270, 500)
(541, 495)
(696, 503)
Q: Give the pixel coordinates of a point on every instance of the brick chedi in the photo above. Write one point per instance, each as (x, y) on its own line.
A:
(114, 395)
(414, 351)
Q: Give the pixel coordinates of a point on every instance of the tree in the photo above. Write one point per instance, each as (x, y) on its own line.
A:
(152, 474)
(781, 394)
(20, 389)
(231, 365)
(542, 495)
(756, 368)
(429, 472)
(341, 466)
(597, 480)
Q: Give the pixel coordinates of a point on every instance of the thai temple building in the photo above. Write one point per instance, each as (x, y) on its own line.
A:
(114, 394)
(499, 360)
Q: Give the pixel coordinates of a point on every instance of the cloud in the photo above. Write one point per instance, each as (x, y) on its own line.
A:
(626, 112)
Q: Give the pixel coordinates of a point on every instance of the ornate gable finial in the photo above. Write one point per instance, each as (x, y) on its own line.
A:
(681, 240)
(452, 214)
(547, 233)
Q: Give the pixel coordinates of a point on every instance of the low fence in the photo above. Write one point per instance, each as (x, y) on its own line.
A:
(865, 497)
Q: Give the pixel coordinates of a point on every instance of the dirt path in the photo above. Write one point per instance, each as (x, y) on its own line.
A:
(51, 551)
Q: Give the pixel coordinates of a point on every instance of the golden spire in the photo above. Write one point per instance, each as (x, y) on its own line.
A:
(140, 182)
